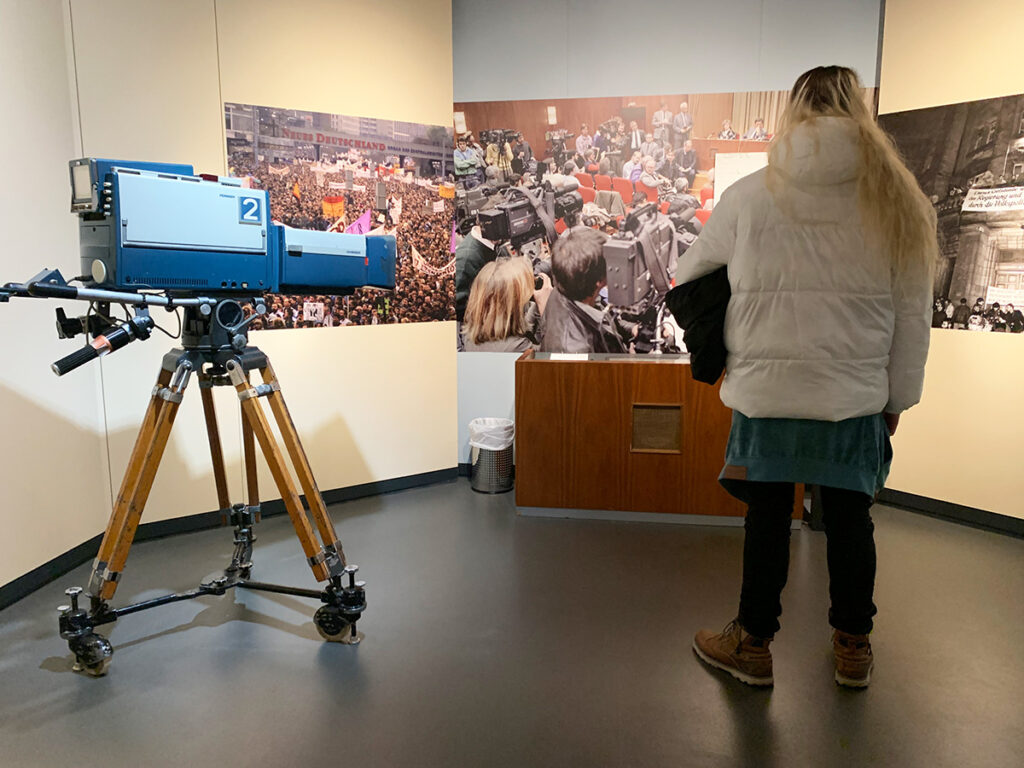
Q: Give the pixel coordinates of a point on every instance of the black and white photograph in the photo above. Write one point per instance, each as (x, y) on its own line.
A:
(969, 160)
(360, 175)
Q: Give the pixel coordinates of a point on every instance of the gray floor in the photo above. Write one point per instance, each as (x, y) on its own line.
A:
(495, 640)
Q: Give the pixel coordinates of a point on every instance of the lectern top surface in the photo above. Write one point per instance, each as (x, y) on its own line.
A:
(601, 356)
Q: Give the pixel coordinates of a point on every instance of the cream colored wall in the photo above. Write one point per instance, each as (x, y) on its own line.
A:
(384, 59)
(946, 51)
(961, 444)
(371, 403)
(53, 475)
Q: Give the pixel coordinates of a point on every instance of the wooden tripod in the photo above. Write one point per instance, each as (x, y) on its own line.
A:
(343, 602)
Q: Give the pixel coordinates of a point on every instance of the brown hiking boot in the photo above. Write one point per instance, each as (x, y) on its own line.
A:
(736, 651)
(853, 659)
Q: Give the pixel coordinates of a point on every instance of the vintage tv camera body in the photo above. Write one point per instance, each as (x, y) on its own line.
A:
(158, 226)
(641, 262)
(527, 217)
(556, 145)
(529, 213)
(469, 202)
(498, 136)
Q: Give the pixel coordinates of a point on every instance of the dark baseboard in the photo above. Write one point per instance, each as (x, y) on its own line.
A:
(13, 591)
(956, 513)
(464, 469)
(62, 564)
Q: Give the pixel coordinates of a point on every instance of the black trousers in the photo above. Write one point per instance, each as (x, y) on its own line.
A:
(850, 549)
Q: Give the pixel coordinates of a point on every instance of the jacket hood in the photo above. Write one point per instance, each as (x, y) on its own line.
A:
(823, 151)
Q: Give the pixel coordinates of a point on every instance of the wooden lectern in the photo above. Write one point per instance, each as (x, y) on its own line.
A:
(623, 433)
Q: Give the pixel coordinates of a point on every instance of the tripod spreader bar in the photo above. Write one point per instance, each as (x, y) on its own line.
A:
(313, 594)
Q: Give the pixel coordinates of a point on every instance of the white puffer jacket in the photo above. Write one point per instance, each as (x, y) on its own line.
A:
(817, 326)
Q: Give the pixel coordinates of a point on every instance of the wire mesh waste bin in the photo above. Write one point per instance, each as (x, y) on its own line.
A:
(491, 467)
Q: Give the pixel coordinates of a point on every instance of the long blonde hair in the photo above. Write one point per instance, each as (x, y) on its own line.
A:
(896, 213)
(496, 308)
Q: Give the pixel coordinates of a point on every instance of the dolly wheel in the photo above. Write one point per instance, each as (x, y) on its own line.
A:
(331, 625)
(92, 654)
(98, 669)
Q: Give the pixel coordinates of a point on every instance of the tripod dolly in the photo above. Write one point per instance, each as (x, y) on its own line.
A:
(215, 350)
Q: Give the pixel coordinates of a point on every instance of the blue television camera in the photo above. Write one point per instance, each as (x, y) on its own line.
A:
(158, 226)
(204, 249)
(155, 234)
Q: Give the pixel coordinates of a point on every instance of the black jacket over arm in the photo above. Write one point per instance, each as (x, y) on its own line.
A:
(699, 308)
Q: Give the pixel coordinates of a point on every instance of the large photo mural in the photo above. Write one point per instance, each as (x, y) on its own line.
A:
(637, 172)
(969, 160)
(361, 175)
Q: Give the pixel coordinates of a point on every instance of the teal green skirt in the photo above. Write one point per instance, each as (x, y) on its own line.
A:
(854, 454)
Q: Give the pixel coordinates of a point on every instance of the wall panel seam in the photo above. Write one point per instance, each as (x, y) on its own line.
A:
(78, 95)
(220, 88)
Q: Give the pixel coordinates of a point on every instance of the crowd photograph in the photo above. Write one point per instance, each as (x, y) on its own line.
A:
(969, 160)
(332, 180)
(618, 170)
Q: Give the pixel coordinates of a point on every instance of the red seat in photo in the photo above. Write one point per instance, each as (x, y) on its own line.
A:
(625, 188)
(603, 182)
(706, 193)
(589, 194)
(702, 215)
(560, 226)
(585, 179)
(664, 206)
(650, 192)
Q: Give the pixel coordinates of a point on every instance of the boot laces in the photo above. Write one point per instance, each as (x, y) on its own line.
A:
(733, 628)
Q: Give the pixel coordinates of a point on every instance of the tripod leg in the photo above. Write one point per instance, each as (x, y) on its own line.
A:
(301, 463)
(115, 526)
(143, 484)
(257, 419)
(252, 485)
(213, 435)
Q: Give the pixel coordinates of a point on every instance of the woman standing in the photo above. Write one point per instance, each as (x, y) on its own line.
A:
(830, 251)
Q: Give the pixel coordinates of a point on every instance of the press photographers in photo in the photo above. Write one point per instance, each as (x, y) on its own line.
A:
(503, 313)
(499, 150)
(634, 185)
(468, 165)
(522, 155)
(573, 321)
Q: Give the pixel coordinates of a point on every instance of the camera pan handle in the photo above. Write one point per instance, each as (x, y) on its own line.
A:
(78, 358)
(53, 291)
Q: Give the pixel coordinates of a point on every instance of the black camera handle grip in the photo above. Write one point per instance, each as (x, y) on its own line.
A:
(79, 357)
(109, 341)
